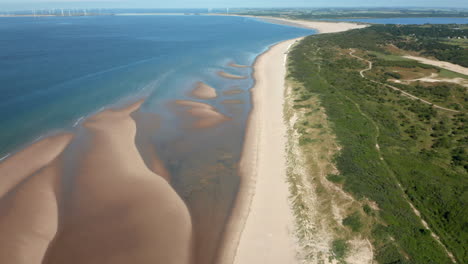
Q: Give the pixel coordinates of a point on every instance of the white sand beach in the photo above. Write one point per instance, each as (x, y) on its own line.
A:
(262, 224)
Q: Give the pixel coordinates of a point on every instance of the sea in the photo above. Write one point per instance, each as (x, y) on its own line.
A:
(54, 71)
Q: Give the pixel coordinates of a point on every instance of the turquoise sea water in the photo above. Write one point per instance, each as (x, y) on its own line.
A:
(409, 21)
(55, 70)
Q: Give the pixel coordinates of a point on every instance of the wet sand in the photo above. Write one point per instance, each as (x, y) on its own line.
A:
(203, 91)
(27, 161)
(118, 210)
(231, 76)
(232, 102)
(29, 217)
(233, 92)
(205, 115)
(260, 230)
(111, 209)
(235, 65)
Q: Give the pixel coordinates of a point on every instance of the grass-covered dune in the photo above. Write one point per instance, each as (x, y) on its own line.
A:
(396, 151)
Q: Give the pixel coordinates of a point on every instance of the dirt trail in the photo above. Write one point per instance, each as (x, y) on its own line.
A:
(395, 88)
(415, 210)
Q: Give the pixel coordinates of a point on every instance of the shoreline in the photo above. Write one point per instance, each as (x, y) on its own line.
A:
(259, 158)
(261, 226)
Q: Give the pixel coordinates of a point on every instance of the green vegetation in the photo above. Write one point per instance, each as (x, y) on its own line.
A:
(353, 221)
(450, 74)
(429, 40)
(394, 150)
(339, 248)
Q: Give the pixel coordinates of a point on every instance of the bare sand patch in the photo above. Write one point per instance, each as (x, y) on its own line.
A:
(203, 91)
(442, 64)
(231, 76)
(434, 78)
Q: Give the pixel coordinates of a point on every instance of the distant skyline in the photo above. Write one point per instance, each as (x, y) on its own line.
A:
(28, 4)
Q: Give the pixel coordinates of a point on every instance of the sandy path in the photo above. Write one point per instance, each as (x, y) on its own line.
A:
(351, 53)
(442, 64)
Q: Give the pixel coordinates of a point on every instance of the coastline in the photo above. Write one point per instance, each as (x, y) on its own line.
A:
(260, 159)
(261, 227)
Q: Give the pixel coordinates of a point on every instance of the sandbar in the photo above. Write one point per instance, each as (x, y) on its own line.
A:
(206, 115)
(203, 91)
(231, 76)
(233, 92)
(118, 211)
(235, 65)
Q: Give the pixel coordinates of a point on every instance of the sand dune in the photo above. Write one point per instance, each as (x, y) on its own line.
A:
(231, 76)
(203, 91)
(205, 114)
(119, 211)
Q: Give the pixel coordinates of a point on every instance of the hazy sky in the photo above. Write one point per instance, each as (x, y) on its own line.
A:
(28, 4)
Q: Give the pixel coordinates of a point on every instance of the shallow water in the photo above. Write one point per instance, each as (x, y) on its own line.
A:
(55, 70)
